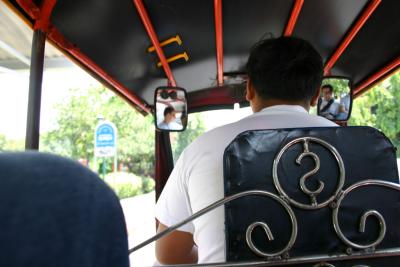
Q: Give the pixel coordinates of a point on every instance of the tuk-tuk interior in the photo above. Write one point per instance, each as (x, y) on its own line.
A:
(134, 47)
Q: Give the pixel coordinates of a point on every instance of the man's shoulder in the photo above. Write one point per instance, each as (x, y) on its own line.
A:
(223, 135)
(323, 122)
(221, 132)
(215, 139)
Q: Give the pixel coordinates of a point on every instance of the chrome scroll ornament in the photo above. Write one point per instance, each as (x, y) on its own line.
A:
(312, 194)
(250, 228)
(364, 217)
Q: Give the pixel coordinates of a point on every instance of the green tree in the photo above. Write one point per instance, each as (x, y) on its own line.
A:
(135, 136)
(3, 141)
(340, 86)
(77, 117)
(380, 108)
(7, 144)
(181, 140)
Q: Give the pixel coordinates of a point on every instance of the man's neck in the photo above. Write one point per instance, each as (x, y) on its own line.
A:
(261, 104)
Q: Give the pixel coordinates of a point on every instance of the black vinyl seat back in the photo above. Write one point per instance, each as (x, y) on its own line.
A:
(56, 212)
(278, 161)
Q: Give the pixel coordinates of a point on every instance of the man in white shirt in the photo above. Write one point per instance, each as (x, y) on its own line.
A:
(285, 75)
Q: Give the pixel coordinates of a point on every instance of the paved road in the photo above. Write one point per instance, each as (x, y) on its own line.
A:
(139, 216)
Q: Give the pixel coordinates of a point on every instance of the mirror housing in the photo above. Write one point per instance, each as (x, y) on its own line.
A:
(336, 98)
(170, 113)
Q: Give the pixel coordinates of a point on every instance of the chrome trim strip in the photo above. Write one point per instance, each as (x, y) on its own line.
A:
(303, 260)
(323, 264)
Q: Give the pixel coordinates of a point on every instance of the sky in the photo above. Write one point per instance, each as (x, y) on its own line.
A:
(14, 97)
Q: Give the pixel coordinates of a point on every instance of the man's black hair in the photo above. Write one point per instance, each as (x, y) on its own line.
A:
(168, 110)
(330, 87)
(286, 68)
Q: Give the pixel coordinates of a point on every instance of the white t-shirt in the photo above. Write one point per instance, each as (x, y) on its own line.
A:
(197, 179)
(332, 111)
(170, 126)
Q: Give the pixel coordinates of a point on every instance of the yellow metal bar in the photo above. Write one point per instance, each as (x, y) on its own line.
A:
(183, 55)
(176, 39)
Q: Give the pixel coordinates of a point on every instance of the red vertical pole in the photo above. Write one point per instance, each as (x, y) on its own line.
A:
(164, 160)
(219, 41)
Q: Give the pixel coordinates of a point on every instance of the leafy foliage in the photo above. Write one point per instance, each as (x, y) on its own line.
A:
(380, 108)
(11, 144)
(181, 140)
(124, 184)
(128, 185)
(340, 86)
(148, 184)
(77, 117)
(3, 141)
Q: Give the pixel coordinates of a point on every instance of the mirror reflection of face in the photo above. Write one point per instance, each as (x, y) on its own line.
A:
(327, 93)
(171, 116)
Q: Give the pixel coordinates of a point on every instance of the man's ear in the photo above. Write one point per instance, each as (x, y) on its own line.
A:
(250, 93)
(314, 99)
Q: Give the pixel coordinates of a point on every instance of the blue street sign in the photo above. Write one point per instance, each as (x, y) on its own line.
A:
(105, 144)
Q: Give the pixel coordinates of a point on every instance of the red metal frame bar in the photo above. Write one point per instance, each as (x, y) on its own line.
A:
(43, 22)
(30, 8)
(58, 39)
(368, 11)
(164, 161)
(154, 39)
(219, 41)
(98, 70)
(376, 77)
(293, 17)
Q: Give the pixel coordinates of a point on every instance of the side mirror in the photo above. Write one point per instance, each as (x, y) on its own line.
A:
(336, 98)
(170, 109)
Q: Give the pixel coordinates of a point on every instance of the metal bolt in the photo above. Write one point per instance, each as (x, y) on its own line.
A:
(286, 255)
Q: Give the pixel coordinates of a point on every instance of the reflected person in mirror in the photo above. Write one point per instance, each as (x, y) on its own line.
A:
(169, 122)
(327, 107)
